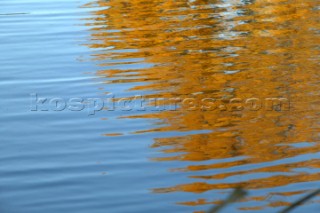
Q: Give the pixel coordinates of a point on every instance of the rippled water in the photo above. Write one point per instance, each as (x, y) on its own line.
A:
(164, 156)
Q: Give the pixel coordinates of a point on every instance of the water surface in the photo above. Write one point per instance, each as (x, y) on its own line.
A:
(176, 157)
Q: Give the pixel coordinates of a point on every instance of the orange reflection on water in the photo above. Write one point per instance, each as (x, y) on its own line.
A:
(222, 50)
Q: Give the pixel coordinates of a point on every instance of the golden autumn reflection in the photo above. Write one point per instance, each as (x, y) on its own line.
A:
(222, 50)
